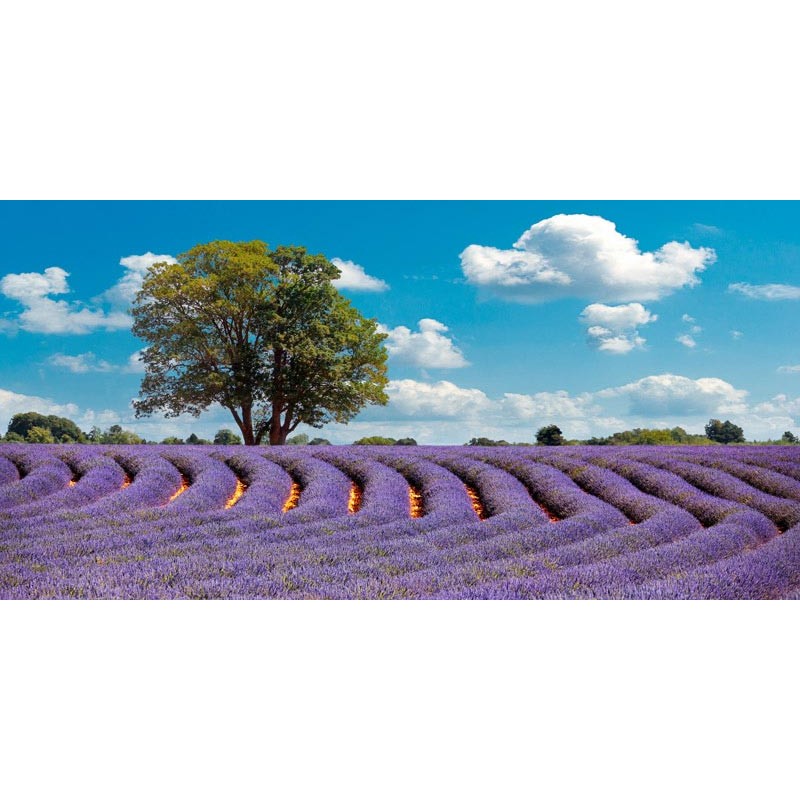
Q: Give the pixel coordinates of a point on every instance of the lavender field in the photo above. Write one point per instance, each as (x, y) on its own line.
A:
(94, 521)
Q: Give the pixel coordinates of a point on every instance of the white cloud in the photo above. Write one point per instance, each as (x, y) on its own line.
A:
(123, 292)
(83, 362)
(686, 340)
(42, 314)
(779, 404)
(710, 230)
(676, 395)
(355, 278)
(576, 255)
(766, 291)
(736, 334)
(614, 329)
(441, 399)
(546, 406)
(13, 403)
(793, 368)
(135, 364)
(429, 348)
(444, 413)
(692, 323)
(88, 362)
(30, 286)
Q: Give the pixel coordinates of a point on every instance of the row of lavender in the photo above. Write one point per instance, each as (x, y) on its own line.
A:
(418, 522)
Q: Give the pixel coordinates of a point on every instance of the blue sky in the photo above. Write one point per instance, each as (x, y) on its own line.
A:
(605, 315)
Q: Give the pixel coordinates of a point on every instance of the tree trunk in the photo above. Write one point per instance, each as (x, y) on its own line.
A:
(277, 435)
(246, 426)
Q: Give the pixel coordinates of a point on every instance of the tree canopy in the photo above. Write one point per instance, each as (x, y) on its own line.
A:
(263, 333)
(550, 435)
(226, 436)
(60, 429)
(724, 432)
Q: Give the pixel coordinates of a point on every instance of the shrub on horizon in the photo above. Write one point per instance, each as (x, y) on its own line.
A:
(382, 440)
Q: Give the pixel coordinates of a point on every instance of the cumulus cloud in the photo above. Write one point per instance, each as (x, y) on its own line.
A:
(614, 329)
(427, 348)
(736, 335)
(355, 278)
(788, 368)
(677, 395)
(442, 399)
(42, 314)
(686, 340)
(547, 406)
(123, 292)
(780, 405)
(576, 255)
(766, 291)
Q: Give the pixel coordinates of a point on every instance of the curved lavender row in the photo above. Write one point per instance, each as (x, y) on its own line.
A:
(698, 549)
(784, 465)
(784, 513)
(613, 489)
(211, 482)
(557, 491)
(622, 557)
(155, 480)
(97, 476)
(325, 490)
(268, 485)
(658, 522)
(663, 484)
(8, 471)
(43, 475)
(499, 491)
(385, 490)
(761, 574)
(759, 476)
(444, 499)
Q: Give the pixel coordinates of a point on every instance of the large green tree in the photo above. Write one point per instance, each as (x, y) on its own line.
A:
(264, 333)
(61, 428)
(724, 432)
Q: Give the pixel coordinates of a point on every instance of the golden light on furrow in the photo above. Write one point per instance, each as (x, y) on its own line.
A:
(550, 515)
(294, 497)
(356, 495)
(234, 498)
(184, 486)
(415, 501)
(72, 483)
(127, 482)
(477, 505)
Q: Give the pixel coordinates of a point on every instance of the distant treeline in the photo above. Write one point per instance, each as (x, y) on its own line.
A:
(36, 428)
